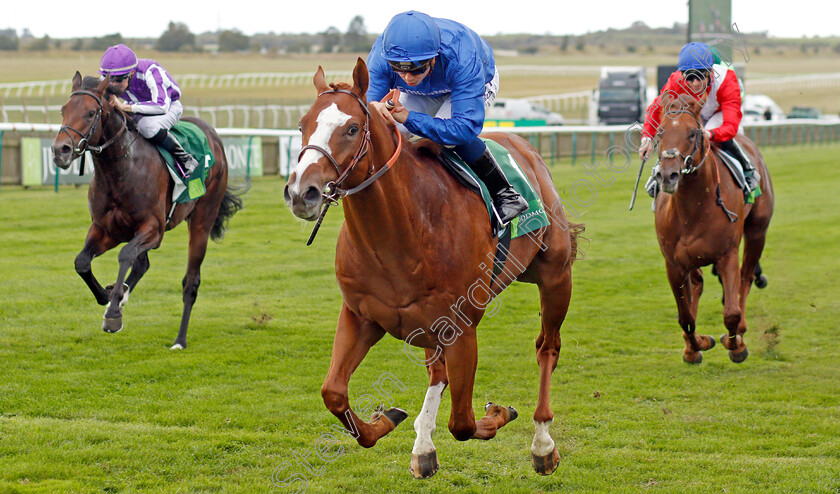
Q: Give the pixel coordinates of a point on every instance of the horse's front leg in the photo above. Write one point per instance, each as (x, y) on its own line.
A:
(148, 237)
(680, 282)
(461, 359)
(424, 460)
(353, 339)
(96, 243)
(730, 276)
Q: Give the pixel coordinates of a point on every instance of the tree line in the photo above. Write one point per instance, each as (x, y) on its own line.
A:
(179, 38)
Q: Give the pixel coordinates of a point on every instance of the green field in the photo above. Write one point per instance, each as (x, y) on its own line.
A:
(85, 411)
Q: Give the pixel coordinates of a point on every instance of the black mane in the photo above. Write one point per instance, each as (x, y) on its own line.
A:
(90, 82)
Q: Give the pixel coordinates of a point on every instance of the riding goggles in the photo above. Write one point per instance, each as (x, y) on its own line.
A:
(695, 74)
(409, 67)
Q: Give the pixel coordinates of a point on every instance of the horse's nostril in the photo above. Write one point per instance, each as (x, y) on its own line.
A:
(658, 176)
(312, 195)
(675, 176)
(286, 194)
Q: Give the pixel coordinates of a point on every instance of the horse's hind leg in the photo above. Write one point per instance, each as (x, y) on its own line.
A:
(555, 295)
(199, 235)
(754, 238)
(733, 316)
(424, 460)
(96, 243)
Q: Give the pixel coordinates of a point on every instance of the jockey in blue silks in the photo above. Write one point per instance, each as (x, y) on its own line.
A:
(447, 78)
(151, 94)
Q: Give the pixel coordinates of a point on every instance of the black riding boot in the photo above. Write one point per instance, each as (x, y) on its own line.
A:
(732, 147)
(165, 140)
(509, 204)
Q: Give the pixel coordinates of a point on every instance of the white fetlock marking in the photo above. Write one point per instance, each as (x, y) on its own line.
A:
(176, 346)
(543, 445)
(424, 424)
(125, 296)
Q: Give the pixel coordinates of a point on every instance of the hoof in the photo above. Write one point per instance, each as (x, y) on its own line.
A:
(177, 346)
(739, 357)
(425, 465)
(696, 361)
(112, 324)
(761, 281)
(512, 413)
(546, 465)
(395, 415)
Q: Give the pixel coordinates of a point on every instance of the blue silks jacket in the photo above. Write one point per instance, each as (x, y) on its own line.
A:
(463, 66)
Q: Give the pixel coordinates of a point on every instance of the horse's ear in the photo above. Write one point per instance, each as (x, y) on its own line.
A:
(103, 84)
(320, 81)
(360, 78)
(77, 81)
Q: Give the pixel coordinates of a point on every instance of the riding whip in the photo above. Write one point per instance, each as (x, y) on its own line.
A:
(636, 187)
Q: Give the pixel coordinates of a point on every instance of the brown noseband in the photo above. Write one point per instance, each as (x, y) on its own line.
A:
(333, 193)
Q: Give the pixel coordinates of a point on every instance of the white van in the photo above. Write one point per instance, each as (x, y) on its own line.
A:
(521, 109)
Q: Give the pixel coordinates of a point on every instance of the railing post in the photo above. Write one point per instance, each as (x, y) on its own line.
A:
(574, 147)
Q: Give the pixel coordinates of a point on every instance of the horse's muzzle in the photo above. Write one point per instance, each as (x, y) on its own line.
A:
(305, 204)
(668, 182)
(62, 155)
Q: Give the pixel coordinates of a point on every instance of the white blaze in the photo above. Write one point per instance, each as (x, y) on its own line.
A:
(328, 120)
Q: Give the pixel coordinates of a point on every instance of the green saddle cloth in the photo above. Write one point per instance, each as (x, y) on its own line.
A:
(194, 141)
(534, 217)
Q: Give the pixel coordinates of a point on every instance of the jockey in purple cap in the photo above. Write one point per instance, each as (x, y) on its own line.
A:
(447, 77)
(151, 94)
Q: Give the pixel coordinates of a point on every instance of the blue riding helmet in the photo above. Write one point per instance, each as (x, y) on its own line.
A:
(411, 37)
(697, 56)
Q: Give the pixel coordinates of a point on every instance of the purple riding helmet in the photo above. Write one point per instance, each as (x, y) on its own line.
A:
(117, 60)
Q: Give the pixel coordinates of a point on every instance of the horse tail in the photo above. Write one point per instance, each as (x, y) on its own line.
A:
(575, 231)
(231, 203)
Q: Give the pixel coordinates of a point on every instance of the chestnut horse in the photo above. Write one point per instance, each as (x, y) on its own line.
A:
(130, 196)
(413, 247)
(700, 220)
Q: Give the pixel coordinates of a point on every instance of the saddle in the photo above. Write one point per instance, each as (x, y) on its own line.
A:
(195, 142)
(532, 219)
(737, 172)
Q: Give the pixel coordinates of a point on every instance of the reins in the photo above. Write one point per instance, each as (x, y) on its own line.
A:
(333, 193)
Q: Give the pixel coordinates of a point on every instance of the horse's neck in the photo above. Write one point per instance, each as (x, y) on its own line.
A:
(696, 192)
(114, 164)
(391, 209)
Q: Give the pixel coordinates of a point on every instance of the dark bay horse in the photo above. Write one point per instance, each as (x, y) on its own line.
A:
(696, 226)
(412, 261)
(130, 196)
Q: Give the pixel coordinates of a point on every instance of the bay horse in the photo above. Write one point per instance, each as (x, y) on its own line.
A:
(130, 195)
(701, 218)
(413, 248)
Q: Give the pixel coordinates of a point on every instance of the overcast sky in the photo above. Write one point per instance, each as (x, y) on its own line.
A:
(150, 19)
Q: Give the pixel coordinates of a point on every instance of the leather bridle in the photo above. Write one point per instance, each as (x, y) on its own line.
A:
(699, 145)
(332, 193)
(84, 141)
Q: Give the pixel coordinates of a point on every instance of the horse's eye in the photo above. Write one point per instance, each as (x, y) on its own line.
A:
(300, 127)
(353, 130)
(91, 113)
